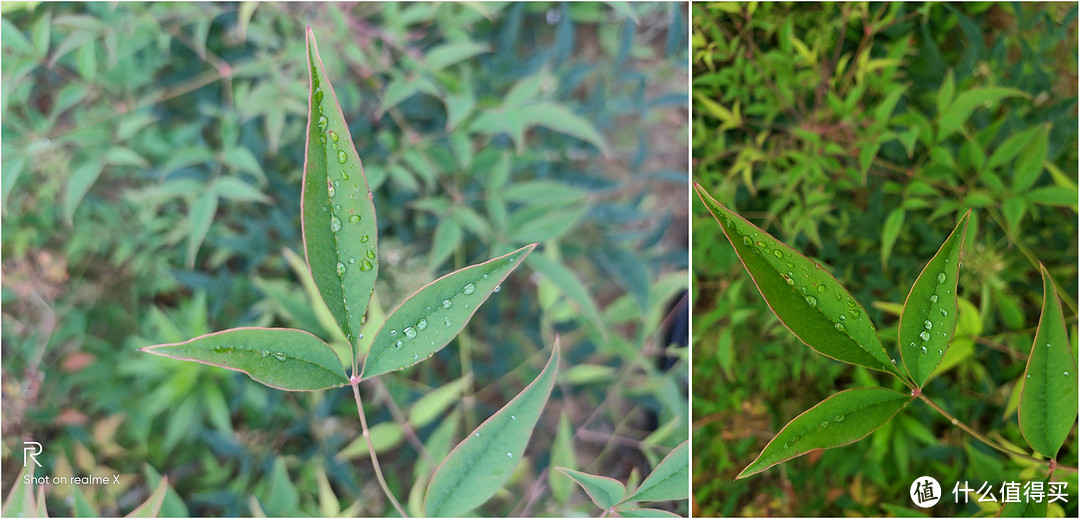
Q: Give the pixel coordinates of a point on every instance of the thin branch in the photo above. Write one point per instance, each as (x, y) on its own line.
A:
(371, 449)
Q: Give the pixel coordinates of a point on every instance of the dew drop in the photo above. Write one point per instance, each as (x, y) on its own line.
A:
(923, 349)
(365, 239)
(421, 324)
(812, 301)
(894, 362)
(476, 434)
(468, 289)
(821, 289)
(747, 241)
(280, 356)
(335, 224)
(354, 218)
(398, 344)
(344, 174)
(789, 281)
(854, 313)
(912, 344)
(839, 327)
(924, 336)
(961, 264)
(409, 332)
(333, 136)
(934, 298)
(446, 321)
(342, 156)
(512, 417)
(928, 325)
(1066, 373)
(939, 352)
(944, 312)
(824, 424)
(352, 260)
(497, 288)
(803, 289)
(341, 269)
(839, 418)
(393, 333)
(843, 317)
(330, 190)
(446, 303)
(323, 122)
(941, 277)
(778, 253)
(366, 266)
(415, 356)
(263, 353)
(760, 243)
(222, 349)
(508, 455)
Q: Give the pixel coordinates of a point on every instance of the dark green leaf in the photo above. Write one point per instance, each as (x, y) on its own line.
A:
(889, 233)
(200, 218)
(805, 296)
(843, 418)
(1029, 164)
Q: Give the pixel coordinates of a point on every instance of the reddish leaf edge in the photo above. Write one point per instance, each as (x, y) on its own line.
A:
(956, 294)
(151, 350)
(744, 474)
(703, 193)
(421, 289)
(310, 42)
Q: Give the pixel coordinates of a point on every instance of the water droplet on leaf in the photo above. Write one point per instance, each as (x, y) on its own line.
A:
(409, 332)
(421, 324)
(812, 301)
(924, 336)
(335, 224)
(468, 289)
(941, 277)
(447, 303)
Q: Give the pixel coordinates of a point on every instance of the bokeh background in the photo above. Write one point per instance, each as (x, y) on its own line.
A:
(837, 128)
(481, 127)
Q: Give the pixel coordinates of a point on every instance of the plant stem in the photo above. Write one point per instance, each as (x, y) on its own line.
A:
(371, 450)
(984, 439)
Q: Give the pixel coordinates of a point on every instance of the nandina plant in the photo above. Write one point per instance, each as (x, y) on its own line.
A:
(811, 303)
(341, 247)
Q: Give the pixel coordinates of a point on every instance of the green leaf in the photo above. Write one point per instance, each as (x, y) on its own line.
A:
(12, 169)
(1048, 404)
(448, 54)
(430, 318)
(562, 455)
(281, 358)
(448, 236)
(843, 418)
(945, 93)
(1012, 146)
(338, 215)
(201, 216)
(568, 283)
(431, 405)
(604, 491)
(557, 117)
(1029, 164)
(1053, 196)
(889, 233)
(79, 182)
(484, 460)
(928, 321)
(629, 272)
(384, 436)
(20, 499)
(232, 188)
(152, 506)
(646, 512)
(805, 296)
(541, 223)
(966, 103)
(670, 480)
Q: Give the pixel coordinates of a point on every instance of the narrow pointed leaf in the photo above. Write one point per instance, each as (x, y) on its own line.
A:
(843, 418)
(338, 215)
(928, 321)
(20, 499)
(281, 358)
(427, 320)
(152, 506)
(670, 480)
(1048, 404)
(805, 296)
(604, 491)
(484, 460)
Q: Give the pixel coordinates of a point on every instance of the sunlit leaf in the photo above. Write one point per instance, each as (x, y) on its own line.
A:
(604, 491)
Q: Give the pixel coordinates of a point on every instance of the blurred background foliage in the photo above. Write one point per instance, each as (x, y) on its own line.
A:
(860, 133)
(152, 159)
